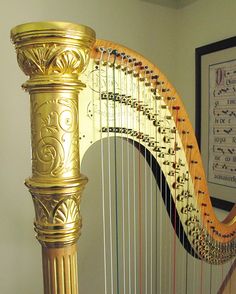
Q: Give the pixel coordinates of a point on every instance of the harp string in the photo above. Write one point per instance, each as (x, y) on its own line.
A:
(171, 157)
(195, 263)
(107, 85)
(184, 134)
(163, 259)
(102, 175)
(177, 276)
(151, 198)
(134, 185)
(210, 279)
(159, 193)
(162, 110)
(172, 209)
(149, 193)
(175, 215)
(143, 97)
(162, 123)
(181, 263)
(140, 196)
(201, 261)
(168, 203)
(129, 81)
(189, 155)
(161, 222)
(122, 118)
(185, 264)
(194, 255)
(148, 197)
(158, 207)
(151, 225)
(128, 182)
(124, 233)
(115, 169)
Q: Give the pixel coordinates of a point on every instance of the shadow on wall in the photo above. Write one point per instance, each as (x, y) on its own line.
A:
(177, 4)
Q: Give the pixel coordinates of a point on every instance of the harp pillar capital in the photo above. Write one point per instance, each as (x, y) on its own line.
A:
(52, 54)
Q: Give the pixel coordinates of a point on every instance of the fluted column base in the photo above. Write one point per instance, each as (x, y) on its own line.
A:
(60, 271)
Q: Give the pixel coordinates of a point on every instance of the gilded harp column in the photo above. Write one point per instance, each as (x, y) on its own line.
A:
(53, 54)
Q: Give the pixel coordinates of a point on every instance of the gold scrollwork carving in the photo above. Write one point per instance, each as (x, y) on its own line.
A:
(54, 125)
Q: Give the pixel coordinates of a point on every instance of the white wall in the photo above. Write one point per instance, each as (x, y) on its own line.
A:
(146, 27)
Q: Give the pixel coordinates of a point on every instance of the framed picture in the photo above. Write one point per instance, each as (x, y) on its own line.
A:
(216, 118)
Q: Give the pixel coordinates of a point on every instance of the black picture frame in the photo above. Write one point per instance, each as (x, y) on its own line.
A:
(199, 53)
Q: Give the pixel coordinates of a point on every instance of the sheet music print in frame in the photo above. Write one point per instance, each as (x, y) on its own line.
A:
(222, 124)
(216, 117)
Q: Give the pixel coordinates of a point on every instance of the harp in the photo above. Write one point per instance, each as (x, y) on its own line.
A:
(127, 105)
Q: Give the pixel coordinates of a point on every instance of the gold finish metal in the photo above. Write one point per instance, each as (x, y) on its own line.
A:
(60, 269)
(53, 55)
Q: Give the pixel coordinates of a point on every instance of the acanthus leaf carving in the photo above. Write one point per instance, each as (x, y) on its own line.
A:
(47, 59)
(57, 209)
(67, 211)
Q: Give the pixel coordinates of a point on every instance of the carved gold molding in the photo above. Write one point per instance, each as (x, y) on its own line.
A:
(53, 54)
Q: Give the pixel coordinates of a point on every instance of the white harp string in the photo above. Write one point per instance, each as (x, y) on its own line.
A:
(134, 189)
(121, 82)
(102, 178)
(109, 174)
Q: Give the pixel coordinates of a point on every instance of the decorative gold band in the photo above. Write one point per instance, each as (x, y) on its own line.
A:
(57, 209)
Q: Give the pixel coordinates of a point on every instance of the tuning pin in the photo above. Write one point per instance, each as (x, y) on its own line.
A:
(167, 139)
(165, 90)
(170, 98)
(176, 185)
(180, 180)
(176, 107)
(155, 77)
(171, 173)
(185, 132)
(138, 63)
(101, 49)
(180, 197)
